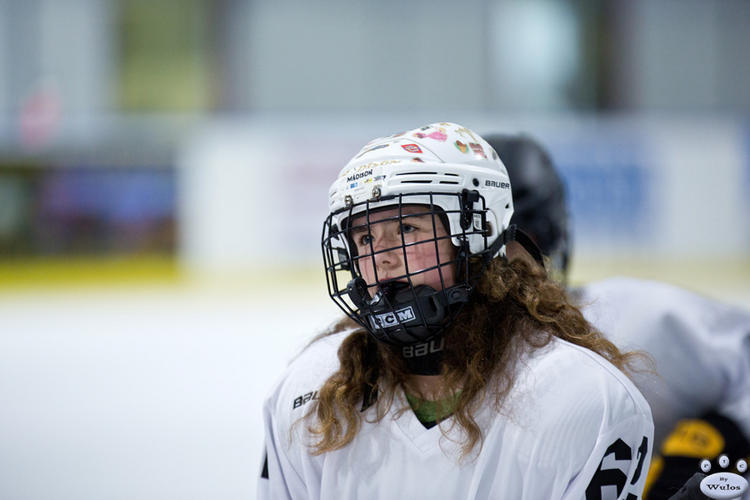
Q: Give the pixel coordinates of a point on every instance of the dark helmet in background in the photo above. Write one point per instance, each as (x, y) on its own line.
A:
(539, 197)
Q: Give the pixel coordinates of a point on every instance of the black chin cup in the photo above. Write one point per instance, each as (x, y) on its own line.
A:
(402, 315)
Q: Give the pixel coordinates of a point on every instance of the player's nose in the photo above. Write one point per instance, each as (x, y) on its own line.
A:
(387, 251)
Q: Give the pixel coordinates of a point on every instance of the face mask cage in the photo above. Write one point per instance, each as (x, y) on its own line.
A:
(412, 299)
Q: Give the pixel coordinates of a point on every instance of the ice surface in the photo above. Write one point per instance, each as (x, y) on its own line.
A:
(142, 394)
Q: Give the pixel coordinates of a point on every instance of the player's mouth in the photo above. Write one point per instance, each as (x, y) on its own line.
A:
(389, 288)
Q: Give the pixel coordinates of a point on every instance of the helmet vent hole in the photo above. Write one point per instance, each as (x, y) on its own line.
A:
(507, 205)
(475, 181)
(415, 173)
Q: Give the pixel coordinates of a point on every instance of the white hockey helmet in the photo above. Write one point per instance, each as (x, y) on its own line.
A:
(454, 174)
(440, 158)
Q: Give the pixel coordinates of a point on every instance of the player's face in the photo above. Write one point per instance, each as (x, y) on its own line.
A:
(382, 250)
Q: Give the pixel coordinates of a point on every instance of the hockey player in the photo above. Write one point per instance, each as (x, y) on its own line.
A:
(455, 374)
(700, 394)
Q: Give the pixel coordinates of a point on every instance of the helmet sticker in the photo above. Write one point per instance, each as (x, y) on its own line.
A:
(478, 151)
(412, 148)
(462, 147)
(364, 168)
(465, 131)
(438, 135)
(358, 175)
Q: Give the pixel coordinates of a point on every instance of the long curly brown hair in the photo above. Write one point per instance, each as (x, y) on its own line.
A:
(514, 309)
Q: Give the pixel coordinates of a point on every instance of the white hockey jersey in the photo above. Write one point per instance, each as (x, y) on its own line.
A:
(701, 347)
(573, 427)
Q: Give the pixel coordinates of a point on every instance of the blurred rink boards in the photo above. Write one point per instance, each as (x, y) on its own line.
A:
(658, 198)
(147, 307)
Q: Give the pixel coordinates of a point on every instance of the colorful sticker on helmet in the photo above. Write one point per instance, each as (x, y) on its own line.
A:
(462, 147)
(438, 135)
(418, 159)
(412, 148)
(379, 146)
(466, 131)
(367, 166)
(478, 151)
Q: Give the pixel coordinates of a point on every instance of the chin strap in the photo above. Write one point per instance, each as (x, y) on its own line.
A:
(402, 315)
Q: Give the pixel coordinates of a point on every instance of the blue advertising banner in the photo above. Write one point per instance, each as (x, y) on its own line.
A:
(609, 189)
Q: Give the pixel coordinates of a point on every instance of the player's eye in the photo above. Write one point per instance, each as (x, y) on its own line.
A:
(365, 239)
(408, 228)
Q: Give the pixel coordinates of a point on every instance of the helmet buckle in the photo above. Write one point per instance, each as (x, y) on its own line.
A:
(468, 198)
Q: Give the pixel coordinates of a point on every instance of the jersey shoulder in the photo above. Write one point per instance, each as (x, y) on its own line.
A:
(568, 400)
(573, 377)
(299, 383)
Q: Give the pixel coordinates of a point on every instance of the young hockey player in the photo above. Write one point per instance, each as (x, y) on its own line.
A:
(700, 394)
(456, 373)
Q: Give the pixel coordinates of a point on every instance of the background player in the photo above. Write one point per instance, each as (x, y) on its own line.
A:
(701, 397)
(456, 374)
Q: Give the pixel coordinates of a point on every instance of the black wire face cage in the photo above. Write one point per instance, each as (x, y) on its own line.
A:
(395, 305)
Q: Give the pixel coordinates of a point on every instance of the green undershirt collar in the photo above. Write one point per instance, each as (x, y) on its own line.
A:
(429, 412)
